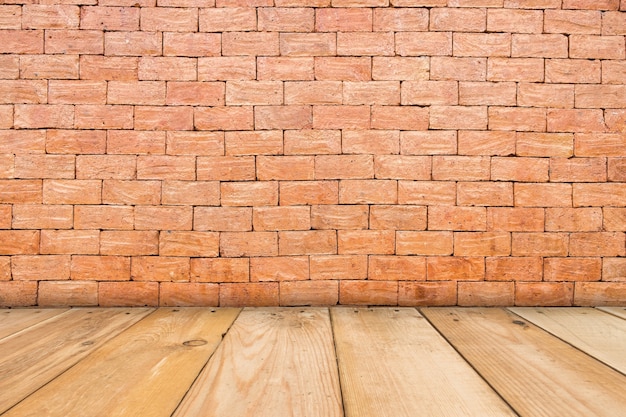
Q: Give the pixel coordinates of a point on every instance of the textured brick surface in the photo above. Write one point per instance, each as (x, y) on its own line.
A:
(312, 152)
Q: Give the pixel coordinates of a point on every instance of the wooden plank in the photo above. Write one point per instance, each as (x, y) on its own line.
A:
(273, 362)
(393, 363)
(536, 373)
(17, 319)
(31, 358)
(616, 311)
(596, 333)
(145, 371)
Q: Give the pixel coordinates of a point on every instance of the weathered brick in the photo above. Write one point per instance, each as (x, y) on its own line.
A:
(285, 68)
(220, 270)
(578, 71)
(129, 243)
(539, 45)
(88, 42)
(190, 44)
(427, 192)
(446, 268)
(467, 168)
(226, 68)
(402, 167)
(599, 293)
(354, 242)
(198, 294)
(517, 268)
(597, 244)
(223, 118)
(482, 244)
(572, 21)
(249, 294)
(397, 268)
(455, 68)
(76, 141)
(363, 43)
(103, 117)
(226, 168)
(288, 268)
(48, 66)
(487, 93)
(44, 166)
(163, 218)
(22, 141)
(515, 69)
(337, 267)
(427, 293)
(578, 170)
(613, 23)
(21, 41)
(164, 118)
(44, 216)
(344, 166)
(136, 92)
(368, 292)
(166, 167)
(428, 142)
(330, 217)
(597, 47)
(298, 293)
(191, 193)
(486, 143)
(520, 219)
(309, 192)
(540, 244)
(486, 293)
(557, 294)
(428, 92)
(260, 193)
(545, 95)
(193, 143)
(485, 193)
(283, 117)
(312, 142)
(514, 21)
(281, 218)
(313, 242)
(600, 144)
(243, 93)
(400, 19)
(128, 294)
(67, 293)
(70, 242)
(129, 192)
(132, 43)
(613, 269)
(287, 19)
(184, 243)
(423, 43)
(520, 169)
(223, 219)
(96, 67)
(55, 16)
(542, 195)
(18, 293)
(40, 267)
(458, 19)
(602, 194)
(100, 268)
(314, 92)
(169, 19)
(458, 117)
(368, 192)
(457, 218)
(572, 269)
(110, 18)
(424, 243)
(307, 44)
(228, 19)
(591, 4)
(523, 119)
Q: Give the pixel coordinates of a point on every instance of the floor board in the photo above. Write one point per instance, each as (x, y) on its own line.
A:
(15, 320)
(616, 311)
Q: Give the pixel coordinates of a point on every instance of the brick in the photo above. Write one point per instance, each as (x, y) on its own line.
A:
(600, 144)
(597, 47)
(600, 96)
(254, 92)
(467, 168)
(485, 193)
(243, 3)
(167, 68)
(458, 117)
(237, 244)
(6, 217)
(550, 294)
(39, 116)
(128, 294)
(427, 192)
(166, 167)
(223, 219)
(578, 170)
(578, 71)
(402, 167)
(457, 218)
(454, 68)
(195, 143)
(343, 68)
(475, 3)
(357, 3)
(613, 72)
(354, 242)
(540, 244)
(426, 93)
(220, 270)
(136, 92)
(455, 268)
(195, 93)
(517, 219)
(223, 118)
(39, 16)
(279, 19)
(163, 218)
(337, 267)
(70, 192)
(100, 268)
(515, 69)
(514, 269)
(401, 19)
(226, 68)
(75, 142)
(368, 192)
(283, 117)
(575, 120)
(371, 92)
(533, 4)
(23, 91)
(299, 293)
(485, 143)
(368, 292)
(135, 142)
(613, 269)
(94, 67)
(48, 67)
(400, 68)
(617, 169)
(592, 5)
(399, 117)
(190, 294)
(70, 242)
(192, 44)
(614, 219)
(22, 141)
(21, 191)
(67, 293)
(313, 242)
(309, 192)
(250, 43)
(281, 218)
(307, 44)
(254, 143)
(312, 142)
(7, 166)
(572, 22)
(21, 41)
(130, 192)
(191, 193)
(520, 169)
(127, 3)
(397, 268)
(256, 294)
(597, 244)
(164, 118)
(344, 166)
(36, 216)
(133, 43)
(514, 21)
(10, 68)
(226, 168)
(169, 19)
(103, 117)
(482, 44)
(110, 18)
(260, 193)
(44, 166)
(228, 19)
(599, 194)
(486, 293)
(40, 267)
(539, 45)
(599, 293)
(542, 195)
(194, 244)
(427, 293)
(482, 244)
(82, 42)
(428, 143)
(545, 95)
(613, 23)
(371, 142)
(10, 17)
(313, 92)
(517, 118)
(331, 217)
(487, 93)
(129, 243)
(363, 43)
(424, 243)
(572, 269)
(6, 116)
(289, 268)
(18, 293)
(424, 44)
(458, 19)
(285, 69)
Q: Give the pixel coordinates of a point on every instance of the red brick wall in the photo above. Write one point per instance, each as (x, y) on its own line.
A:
(288, 152)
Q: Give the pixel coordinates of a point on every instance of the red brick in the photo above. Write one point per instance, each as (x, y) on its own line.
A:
(220, 270)
(339, 217)
(40, 267)
(514, 269)
(591, 4)
(597, 47)
(515, 69)
(110, 18)
(475, 3)
(368, 192)
(191, 193)
(48, 66)
(400, 68)
(256, 294)
(572, 22)
(444, 268)
(95, 67)
(283, 117)
(402, 167)
(486, 293)
(360, 3)
(354, 242)
(132, 43)
(539, 46)
(223, 118)
(424, 243)
(18, 293)
(544, 294)
(33, 216)
(371, 92)
(100, 268)
(454, 68)
(309, 192)
(128, 294)
(71, 192)
(573, 71)
(520, 169)
(299, 293)
(278, 19)
(543, 195)
(67, 293)
(599, 293)
(486, 143)
(487, 93)
(313, 92)
(401, 19)
(427, 192)
(458, 20)
(38, 16)
(44, 166)
(10, 69)
(176, 294)
(533, 4)
(545, 95)
(128, 3)
(517, 118)
(10, 17)
(597, 244)
(131, 192)
(368, 293)
(223, 219)
(428, 142)
(514, 21)
(103, 117)
(613, 72)
(617, 169)
(575, 120)
(572, 269)
(484, 194)
(254, 92)
(363, 43)
(599, 194)
(482, 244)
(195, 143)
(482, 44)
(600, 96)
(39, 116)
(70, 242)
(371, 142)
(75, 141)
(163, 218)
(169, 19)
(614, 218)
(430, 92)
(288, 268)
(243, 3)
(457, 218)
(137, 142)
(578, 170)
(613, 23)
(458, 117)
(226, 68)
(397, 268)
(613, 269)
(82, 42)
(167, 68)
(129, 243)
(314, 242)
(136, 92)
(344, 166)
(402, 217)
(166, 167)
(191, 44)
(341, 117)
(21, 191)
(467, 168)
(307, 44)
(337, 267)
(515, 219)
(343, 68)
(540, 244)
(194, 244)
(21, 41)
(23, 91)
(237, 244)
(600, 145)
(228, 19)
(5, 218)
(399, 117)
(545, 144)
(312, 142)
(285, 69)
(427, 293)
(226, 168)
(424, 43)
(281, 218)
(261, 193)
(250, 43)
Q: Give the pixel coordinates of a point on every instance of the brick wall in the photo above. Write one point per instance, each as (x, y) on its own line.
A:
(288, 152)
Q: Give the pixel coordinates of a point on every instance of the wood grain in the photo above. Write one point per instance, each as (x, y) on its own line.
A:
(15, 320)
(393, 363)
(596, 333)
(536, 373)
(31, 358)
(145, 371)
(616, 311)
(273, 362)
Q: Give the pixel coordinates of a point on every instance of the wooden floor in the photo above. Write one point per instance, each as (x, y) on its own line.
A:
(313, 362)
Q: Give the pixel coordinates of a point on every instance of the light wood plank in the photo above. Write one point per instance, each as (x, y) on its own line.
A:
(18, 319)
(393, 363)
(616, 311)
(145, 371)
(538, 374)
(596, 333)
(273, 362)
(31, 358)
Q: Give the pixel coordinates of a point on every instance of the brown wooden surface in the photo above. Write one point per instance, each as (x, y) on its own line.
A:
(15, 320)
